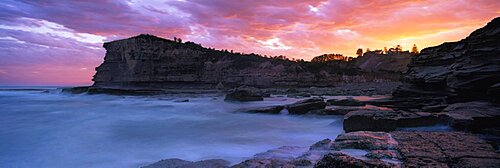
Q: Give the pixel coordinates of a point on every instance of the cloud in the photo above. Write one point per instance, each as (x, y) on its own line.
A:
(51, 37)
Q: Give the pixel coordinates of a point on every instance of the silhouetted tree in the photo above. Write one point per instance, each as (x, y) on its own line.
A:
(385, 50)
(179, 40)
(359, 52)
(414, 50)
(175, 39)
(399, 48)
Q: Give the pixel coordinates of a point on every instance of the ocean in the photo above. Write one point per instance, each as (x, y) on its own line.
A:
(42, 127)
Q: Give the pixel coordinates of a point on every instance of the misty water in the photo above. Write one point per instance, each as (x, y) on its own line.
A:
(40, 129)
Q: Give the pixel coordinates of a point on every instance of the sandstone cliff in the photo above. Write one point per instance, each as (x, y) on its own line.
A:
(392, 62)
(146, 61)
(455, 71)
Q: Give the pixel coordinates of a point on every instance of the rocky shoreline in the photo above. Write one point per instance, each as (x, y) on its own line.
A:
(454, 84)
(340, 89)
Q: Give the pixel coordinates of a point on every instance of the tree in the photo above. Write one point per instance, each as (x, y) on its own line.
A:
(385, 50)
(175, 39)
(414, 50)
(399, 48)
(368, 50)
(359, 52)
(179, 40)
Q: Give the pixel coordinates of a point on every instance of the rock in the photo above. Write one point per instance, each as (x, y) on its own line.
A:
(334, 110)
(390, 62)
(279, 157)
(146, 62)
(264, 163)
(439, 149)
(304, 106)
(266, 110)
(178, 163)
(411, 149)
(387, 120)
(181, 100)
(454, 72)
(242, 95)
(383, 154)
(473, 115)
(345, 102)
(364, 140)
(76, 90)
(336, 160)
(321, 145)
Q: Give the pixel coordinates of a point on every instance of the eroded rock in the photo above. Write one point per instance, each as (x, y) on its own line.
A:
(304, 106)
(387, 120)
(178, 163)
(345, 102)
(266, 110)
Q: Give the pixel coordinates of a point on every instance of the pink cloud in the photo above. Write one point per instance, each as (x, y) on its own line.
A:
(303, 28)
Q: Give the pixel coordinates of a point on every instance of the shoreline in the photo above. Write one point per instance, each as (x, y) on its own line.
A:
(349, 89)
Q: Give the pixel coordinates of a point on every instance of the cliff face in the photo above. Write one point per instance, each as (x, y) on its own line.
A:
(147, 61)
(391, 62)
(454, 72)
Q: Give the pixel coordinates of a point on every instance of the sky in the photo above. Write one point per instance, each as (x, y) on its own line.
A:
(52, 42)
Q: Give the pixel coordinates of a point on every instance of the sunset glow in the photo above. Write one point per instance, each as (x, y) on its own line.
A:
(60, 43)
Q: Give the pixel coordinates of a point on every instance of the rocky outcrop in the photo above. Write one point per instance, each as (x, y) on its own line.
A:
(387, 120)
(378, 62)
(410, 149)
(178, 163)
(453, 72)
(305, 106)
(345, 102)
(265, 110)
(454, 83)
(147, 61)
(473, 116)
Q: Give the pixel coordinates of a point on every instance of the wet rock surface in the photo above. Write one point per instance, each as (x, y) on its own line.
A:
(265, 110)
(387, 120)
(454, 149)
(336, 160)
(472, 115)
(345, 102)
(305, 106)
(178, 163)
(412, 149)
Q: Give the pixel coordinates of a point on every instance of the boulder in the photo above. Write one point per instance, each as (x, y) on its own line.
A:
(304, 106)
(243, 95)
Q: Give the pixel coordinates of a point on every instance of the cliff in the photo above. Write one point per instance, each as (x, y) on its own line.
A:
(146, 61)
(466, 70)
(391, 62)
